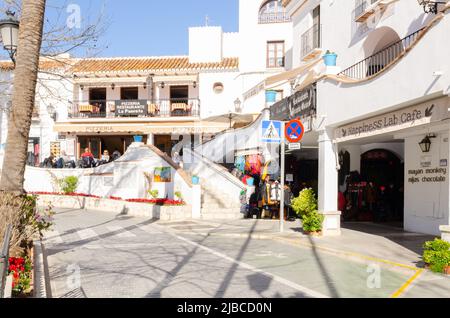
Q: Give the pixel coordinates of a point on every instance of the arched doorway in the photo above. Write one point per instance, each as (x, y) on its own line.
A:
(383, 171)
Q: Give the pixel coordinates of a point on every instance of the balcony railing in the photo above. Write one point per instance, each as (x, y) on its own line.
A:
(275, 17)
(175, 107)
(377, 62)
(364, 8)
(311, 40)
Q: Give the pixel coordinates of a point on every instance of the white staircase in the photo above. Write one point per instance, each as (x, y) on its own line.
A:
(217, 205)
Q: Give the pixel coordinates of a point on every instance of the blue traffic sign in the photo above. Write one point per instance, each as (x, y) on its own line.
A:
(272, 131)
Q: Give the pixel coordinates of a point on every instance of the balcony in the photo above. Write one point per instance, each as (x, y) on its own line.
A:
(366, 8)
(163, 108)
(311, 43)
(274, 17)
(379, 61)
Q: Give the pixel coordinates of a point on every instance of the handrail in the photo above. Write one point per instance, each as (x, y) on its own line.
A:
(4, 257)
(274, 17)
(375, 63)
(311, 39)
(217, 168)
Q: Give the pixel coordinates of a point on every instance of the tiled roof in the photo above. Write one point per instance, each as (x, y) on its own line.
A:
(117, 65)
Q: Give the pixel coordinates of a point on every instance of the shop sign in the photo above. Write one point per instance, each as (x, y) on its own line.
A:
(300, 105)
(427, 176)
(402, 119)
(303, 103)
(295, 146)
(131, 108)
(97, 129)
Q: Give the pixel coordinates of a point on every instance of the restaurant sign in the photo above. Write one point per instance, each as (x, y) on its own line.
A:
(301, 105)
(402, 119)
(131, 108)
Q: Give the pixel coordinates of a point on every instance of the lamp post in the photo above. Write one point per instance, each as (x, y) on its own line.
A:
(430, 6)
(9, 30)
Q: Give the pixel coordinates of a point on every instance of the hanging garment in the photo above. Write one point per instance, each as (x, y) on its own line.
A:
(275, 192)
(240, 163)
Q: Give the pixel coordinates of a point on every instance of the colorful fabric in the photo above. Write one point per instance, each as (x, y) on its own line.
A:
(240, 163)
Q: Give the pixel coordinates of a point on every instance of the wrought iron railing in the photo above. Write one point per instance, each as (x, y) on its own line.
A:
(362, 5)
(275, 17)
(4, 259)
(311, 40)
(377, 62)
(174, 107)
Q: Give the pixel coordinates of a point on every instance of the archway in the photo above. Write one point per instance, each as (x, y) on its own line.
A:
(382, 46)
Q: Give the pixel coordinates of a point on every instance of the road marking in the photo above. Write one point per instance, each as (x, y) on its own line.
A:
(354, 254)
(276, 278)
(86, 234)
(121, 232)
(402, 289)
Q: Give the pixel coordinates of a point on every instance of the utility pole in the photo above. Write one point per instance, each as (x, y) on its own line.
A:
(283, 174)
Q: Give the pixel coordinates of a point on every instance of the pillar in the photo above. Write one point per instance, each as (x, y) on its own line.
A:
(328, 172)
(150, 139)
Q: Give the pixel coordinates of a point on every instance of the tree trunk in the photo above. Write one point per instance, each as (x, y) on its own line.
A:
(24, 91)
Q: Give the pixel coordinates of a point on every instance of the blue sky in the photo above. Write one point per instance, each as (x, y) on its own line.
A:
(150, 27)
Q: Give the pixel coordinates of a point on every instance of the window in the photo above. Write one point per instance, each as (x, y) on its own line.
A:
(129, 93)
(275, 54)
(272, 11)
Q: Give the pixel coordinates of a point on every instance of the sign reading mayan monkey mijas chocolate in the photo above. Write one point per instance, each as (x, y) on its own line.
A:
(405, 118)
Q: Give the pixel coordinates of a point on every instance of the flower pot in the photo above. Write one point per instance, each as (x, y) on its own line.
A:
(138, 138)
(314, 234)
(447, 270)
(195, 180)
(271, 96)
(330, 59)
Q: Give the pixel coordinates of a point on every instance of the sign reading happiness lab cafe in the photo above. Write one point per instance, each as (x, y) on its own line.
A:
(402, 119)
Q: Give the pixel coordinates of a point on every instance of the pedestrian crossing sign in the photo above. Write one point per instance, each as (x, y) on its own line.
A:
(271, 131)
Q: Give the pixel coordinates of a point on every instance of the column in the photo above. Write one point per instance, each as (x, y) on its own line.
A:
(150, 139)
(328, 172)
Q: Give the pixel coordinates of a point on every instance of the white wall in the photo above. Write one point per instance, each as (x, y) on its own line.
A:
(205, 44)
(426, 203)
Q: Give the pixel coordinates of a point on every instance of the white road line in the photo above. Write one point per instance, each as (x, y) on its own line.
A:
(86, 234)
(120, 232)
(53, 238)
(278, 279)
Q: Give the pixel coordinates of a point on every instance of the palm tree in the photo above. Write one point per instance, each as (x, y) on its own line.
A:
(25, 79)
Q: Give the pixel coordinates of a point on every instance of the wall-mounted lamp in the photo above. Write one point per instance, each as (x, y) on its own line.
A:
(425, 144)
(82, 87)
(430, 6)
(162, 85)
(195, 84)
(113, 86)
(145, 85)
(238, 105)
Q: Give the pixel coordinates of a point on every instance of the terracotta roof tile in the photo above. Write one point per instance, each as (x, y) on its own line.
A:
(106, 65)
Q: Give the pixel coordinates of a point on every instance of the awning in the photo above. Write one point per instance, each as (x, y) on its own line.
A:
(292, 74)
(142, 128)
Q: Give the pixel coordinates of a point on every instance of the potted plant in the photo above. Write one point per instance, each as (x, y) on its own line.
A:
(330, 58)
(305, 203)
(195, 180)
(312, 223)
(179, 195)
(271, 96)
(437, 256)
(154, 193)
(138, 138)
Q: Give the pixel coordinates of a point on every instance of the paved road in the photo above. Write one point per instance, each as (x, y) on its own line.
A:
(100, 254)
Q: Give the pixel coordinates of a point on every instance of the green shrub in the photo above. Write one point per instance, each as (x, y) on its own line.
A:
(69, 185)
(179, 195)
(154, 193)
(437, 255)
(313, 222)
(305, 203)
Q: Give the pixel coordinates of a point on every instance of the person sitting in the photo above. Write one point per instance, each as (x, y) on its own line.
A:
(116, 155)
(105, 158)
(49, 162)
(65, 161)
(87, 159)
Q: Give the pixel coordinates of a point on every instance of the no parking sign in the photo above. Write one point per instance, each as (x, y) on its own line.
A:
(294, 131)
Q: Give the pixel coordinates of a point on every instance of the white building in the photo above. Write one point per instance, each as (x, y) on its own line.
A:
(389, 90)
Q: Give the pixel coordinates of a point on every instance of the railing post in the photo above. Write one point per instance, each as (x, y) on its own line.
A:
(4, 258)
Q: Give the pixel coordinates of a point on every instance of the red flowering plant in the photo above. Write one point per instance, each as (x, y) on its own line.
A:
(162, 202)
(21, 270)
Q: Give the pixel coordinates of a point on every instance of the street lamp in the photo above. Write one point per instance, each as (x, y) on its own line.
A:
(430, 6)
(425, 144)
(9, 30)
